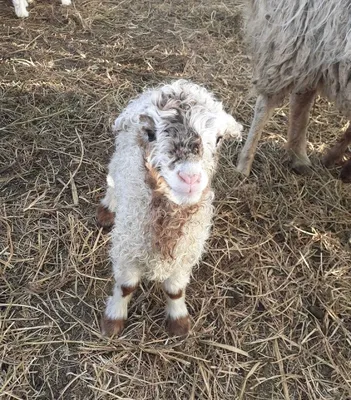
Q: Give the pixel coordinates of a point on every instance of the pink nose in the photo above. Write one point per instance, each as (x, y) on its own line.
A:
(189, 179)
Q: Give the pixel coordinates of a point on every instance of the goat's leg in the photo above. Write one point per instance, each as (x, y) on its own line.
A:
(105, 213)
(178, 321)
(263, 110)
(335, 154)
(21, 8)
(300, 105)
(116, 311)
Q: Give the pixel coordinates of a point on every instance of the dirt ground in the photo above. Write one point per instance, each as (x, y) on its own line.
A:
(270, 302)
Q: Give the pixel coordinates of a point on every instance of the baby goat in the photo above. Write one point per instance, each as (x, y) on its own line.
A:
(159, 194)
(299, 47)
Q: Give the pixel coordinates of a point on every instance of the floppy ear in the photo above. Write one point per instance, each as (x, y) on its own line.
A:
(148, 127)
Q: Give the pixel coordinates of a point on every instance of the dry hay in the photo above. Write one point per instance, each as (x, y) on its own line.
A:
(271, 301)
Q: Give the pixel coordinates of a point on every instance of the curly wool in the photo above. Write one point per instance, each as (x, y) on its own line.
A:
(301, 44)
(153, 234)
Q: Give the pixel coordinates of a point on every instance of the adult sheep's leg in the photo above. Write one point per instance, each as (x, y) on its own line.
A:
(345, 174)
(116, 313)
(178, 321)
(300, 105)
(105, 213)
(263, 111)
(335, 154)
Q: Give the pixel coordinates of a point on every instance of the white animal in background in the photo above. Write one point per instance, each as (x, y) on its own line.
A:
(21, 7)
(159, 195)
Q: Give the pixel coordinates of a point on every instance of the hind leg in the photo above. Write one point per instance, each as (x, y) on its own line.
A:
(263, 110)
(345, 174)
(300, 105)
(335, 154)
(105, 213)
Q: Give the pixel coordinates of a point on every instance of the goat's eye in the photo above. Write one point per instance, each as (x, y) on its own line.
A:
(219, 139)
(151, 137)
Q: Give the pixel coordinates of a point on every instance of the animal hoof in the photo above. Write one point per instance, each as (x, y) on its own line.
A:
(243, 170)
(179, 326)
(328, 161)
(105, 218)
(345, 174)
(111, 327)
(331, 158)
(301, 169)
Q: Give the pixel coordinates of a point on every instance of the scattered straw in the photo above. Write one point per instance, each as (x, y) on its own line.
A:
(271, 301)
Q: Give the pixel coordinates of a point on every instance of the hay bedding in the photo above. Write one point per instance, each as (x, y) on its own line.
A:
(271, 300)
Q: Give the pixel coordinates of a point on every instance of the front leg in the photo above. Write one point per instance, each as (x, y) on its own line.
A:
(178, 321)
(263, 110)
(116, 313)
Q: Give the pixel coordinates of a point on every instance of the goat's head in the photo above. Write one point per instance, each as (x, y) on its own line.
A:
(181, 137)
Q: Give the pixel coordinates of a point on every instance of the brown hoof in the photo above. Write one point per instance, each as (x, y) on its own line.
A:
(111, 327)
(301, 169)
(179, 326)
(328, 161)
(105, 218)
(345, 174)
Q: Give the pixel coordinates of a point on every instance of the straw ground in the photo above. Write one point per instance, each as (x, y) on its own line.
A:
(270, 302)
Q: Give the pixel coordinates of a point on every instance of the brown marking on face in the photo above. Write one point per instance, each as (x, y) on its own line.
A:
(175, 296)
(179, 326)
(111, 327)
(167, 218)
(155, 181)
(127, 290)
(185, 146)
(105, 218)
(167, 222)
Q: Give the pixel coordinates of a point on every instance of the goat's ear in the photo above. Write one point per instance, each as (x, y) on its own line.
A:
(228, 128)
(148, 127)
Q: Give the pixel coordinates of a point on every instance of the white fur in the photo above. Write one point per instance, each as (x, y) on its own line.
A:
(129, 196)
(21, 7)
(176, 308)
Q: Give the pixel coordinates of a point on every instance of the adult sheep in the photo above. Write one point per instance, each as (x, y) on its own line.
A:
(159, 194)
(300, 47)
